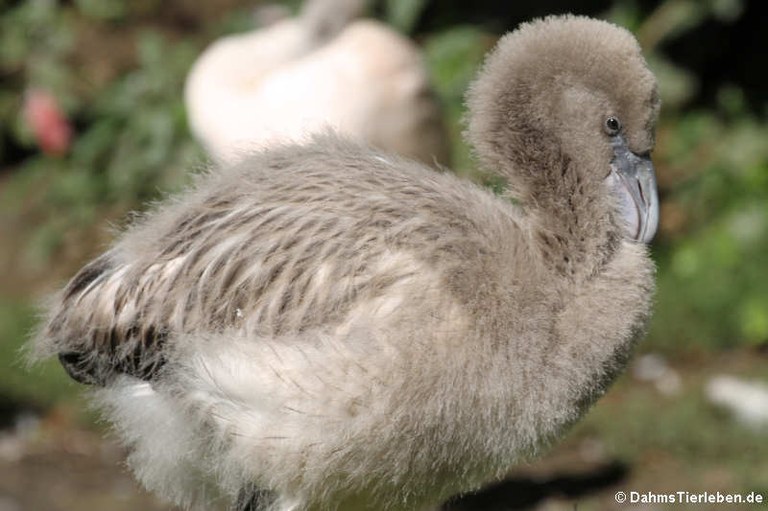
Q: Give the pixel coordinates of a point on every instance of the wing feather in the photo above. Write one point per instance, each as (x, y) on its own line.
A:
(276, 247)
(117, 313)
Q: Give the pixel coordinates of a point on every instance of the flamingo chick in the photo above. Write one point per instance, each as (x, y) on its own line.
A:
(324, 326)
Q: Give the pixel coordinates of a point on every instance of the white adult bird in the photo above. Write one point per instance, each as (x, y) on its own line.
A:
(324, 68)
(329, 327)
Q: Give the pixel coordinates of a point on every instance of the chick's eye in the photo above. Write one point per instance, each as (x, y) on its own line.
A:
(612, 125)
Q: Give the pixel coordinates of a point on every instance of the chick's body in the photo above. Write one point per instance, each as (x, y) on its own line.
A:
(324, 326)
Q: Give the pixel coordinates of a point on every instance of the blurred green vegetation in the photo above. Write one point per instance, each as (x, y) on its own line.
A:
(118, 69)
(40, 384)
(131, 136)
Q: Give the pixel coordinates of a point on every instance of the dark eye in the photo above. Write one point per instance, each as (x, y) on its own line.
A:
(612, 126)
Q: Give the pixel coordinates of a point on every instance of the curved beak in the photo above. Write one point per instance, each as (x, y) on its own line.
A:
(634, 180)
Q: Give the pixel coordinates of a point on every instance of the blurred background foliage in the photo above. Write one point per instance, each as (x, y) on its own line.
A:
(117, 69)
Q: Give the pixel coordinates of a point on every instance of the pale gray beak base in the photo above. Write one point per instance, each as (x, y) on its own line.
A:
(633, 178)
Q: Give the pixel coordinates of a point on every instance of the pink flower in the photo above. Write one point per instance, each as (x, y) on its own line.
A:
(51, 128)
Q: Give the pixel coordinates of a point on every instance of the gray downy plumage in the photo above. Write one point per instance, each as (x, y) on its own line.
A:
(326, 326)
